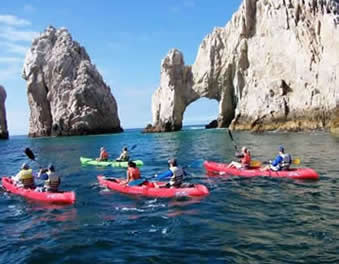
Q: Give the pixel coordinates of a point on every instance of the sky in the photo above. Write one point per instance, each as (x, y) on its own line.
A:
(126, 40)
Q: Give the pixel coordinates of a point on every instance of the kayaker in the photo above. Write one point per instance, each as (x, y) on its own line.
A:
(282, 161)
(245, 159)
(41, 178)
(132, 173)
(53, 181)
(25, 177)
(175, 173)
(42, 175)
(103, 155)
(124, 155)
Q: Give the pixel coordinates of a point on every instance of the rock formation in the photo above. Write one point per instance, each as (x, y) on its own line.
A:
(335, 121)
(66, 93)
(273, 66)
(174, 94)
(212, 124)
(3, 121)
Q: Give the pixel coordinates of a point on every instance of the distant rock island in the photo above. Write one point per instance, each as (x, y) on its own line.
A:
(66, 93)
(274, 66)
(3, 121)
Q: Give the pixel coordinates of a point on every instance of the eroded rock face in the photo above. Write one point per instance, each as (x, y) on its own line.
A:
(3, 121)
(273, 66)
(66, 93)
(174, 94)
(335, 122)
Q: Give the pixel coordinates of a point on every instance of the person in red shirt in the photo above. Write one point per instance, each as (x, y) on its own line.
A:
(103, 155)
(245, 159)
(132, 174)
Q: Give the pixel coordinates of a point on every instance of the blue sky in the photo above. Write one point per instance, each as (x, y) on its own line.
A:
(126, 40)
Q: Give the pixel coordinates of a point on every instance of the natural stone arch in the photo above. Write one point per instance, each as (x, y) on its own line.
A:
(202, 111)
(177, 90)
(270, 67)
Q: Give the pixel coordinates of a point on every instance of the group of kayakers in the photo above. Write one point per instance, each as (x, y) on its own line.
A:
(103, 156)
(175, 174)
(25, 178)
(282, 161)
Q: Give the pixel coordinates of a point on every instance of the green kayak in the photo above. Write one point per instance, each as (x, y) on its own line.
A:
(113, 163)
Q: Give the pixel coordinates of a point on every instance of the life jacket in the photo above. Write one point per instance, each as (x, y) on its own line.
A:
(104, 155)
(124, 156)
(246, 160)
(53, 182)
(26, 178)
(286, 161)
(178, 176)
(134, 173)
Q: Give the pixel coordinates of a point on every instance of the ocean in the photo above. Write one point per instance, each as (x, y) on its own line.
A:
(242, 220)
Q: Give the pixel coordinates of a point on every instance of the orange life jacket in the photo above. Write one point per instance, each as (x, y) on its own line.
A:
(134, 173)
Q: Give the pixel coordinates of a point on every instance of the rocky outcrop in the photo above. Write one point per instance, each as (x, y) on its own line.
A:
(3, 121)
(273, 66)
(335, 121)
(174, 94)
(212, 124)
(66, 93)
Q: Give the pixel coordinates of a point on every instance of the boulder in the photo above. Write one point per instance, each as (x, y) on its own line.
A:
(212, 124)
(272, 67)
(66, 93)
(3, 121)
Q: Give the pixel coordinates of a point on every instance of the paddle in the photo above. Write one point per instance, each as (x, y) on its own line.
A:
(128, 149)
(29, 153)
(258, 163)
(231, 136)
(133, 147)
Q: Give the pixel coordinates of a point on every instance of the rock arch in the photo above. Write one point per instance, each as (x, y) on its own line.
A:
(271, 67)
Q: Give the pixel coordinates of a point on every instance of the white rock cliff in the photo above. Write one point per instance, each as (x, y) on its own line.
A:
(273, 66)
(66, 93)
(3, 121)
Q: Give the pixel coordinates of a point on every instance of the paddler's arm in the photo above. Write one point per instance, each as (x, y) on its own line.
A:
(165, 175)
(277, 160)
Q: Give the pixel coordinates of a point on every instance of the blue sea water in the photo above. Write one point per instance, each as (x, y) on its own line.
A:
(257, 220)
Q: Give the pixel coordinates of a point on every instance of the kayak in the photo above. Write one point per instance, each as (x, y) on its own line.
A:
(295, 173)
(113, 163)
(60, 197)
(148, 189)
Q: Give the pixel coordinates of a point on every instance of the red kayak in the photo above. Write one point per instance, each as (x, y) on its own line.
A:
(60, 197)
(297, 173)
(148, 189)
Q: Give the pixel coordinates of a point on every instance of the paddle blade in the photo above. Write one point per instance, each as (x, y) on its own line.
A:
(255, 163)
(29, 153)
(296, 161)
(133, 147)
